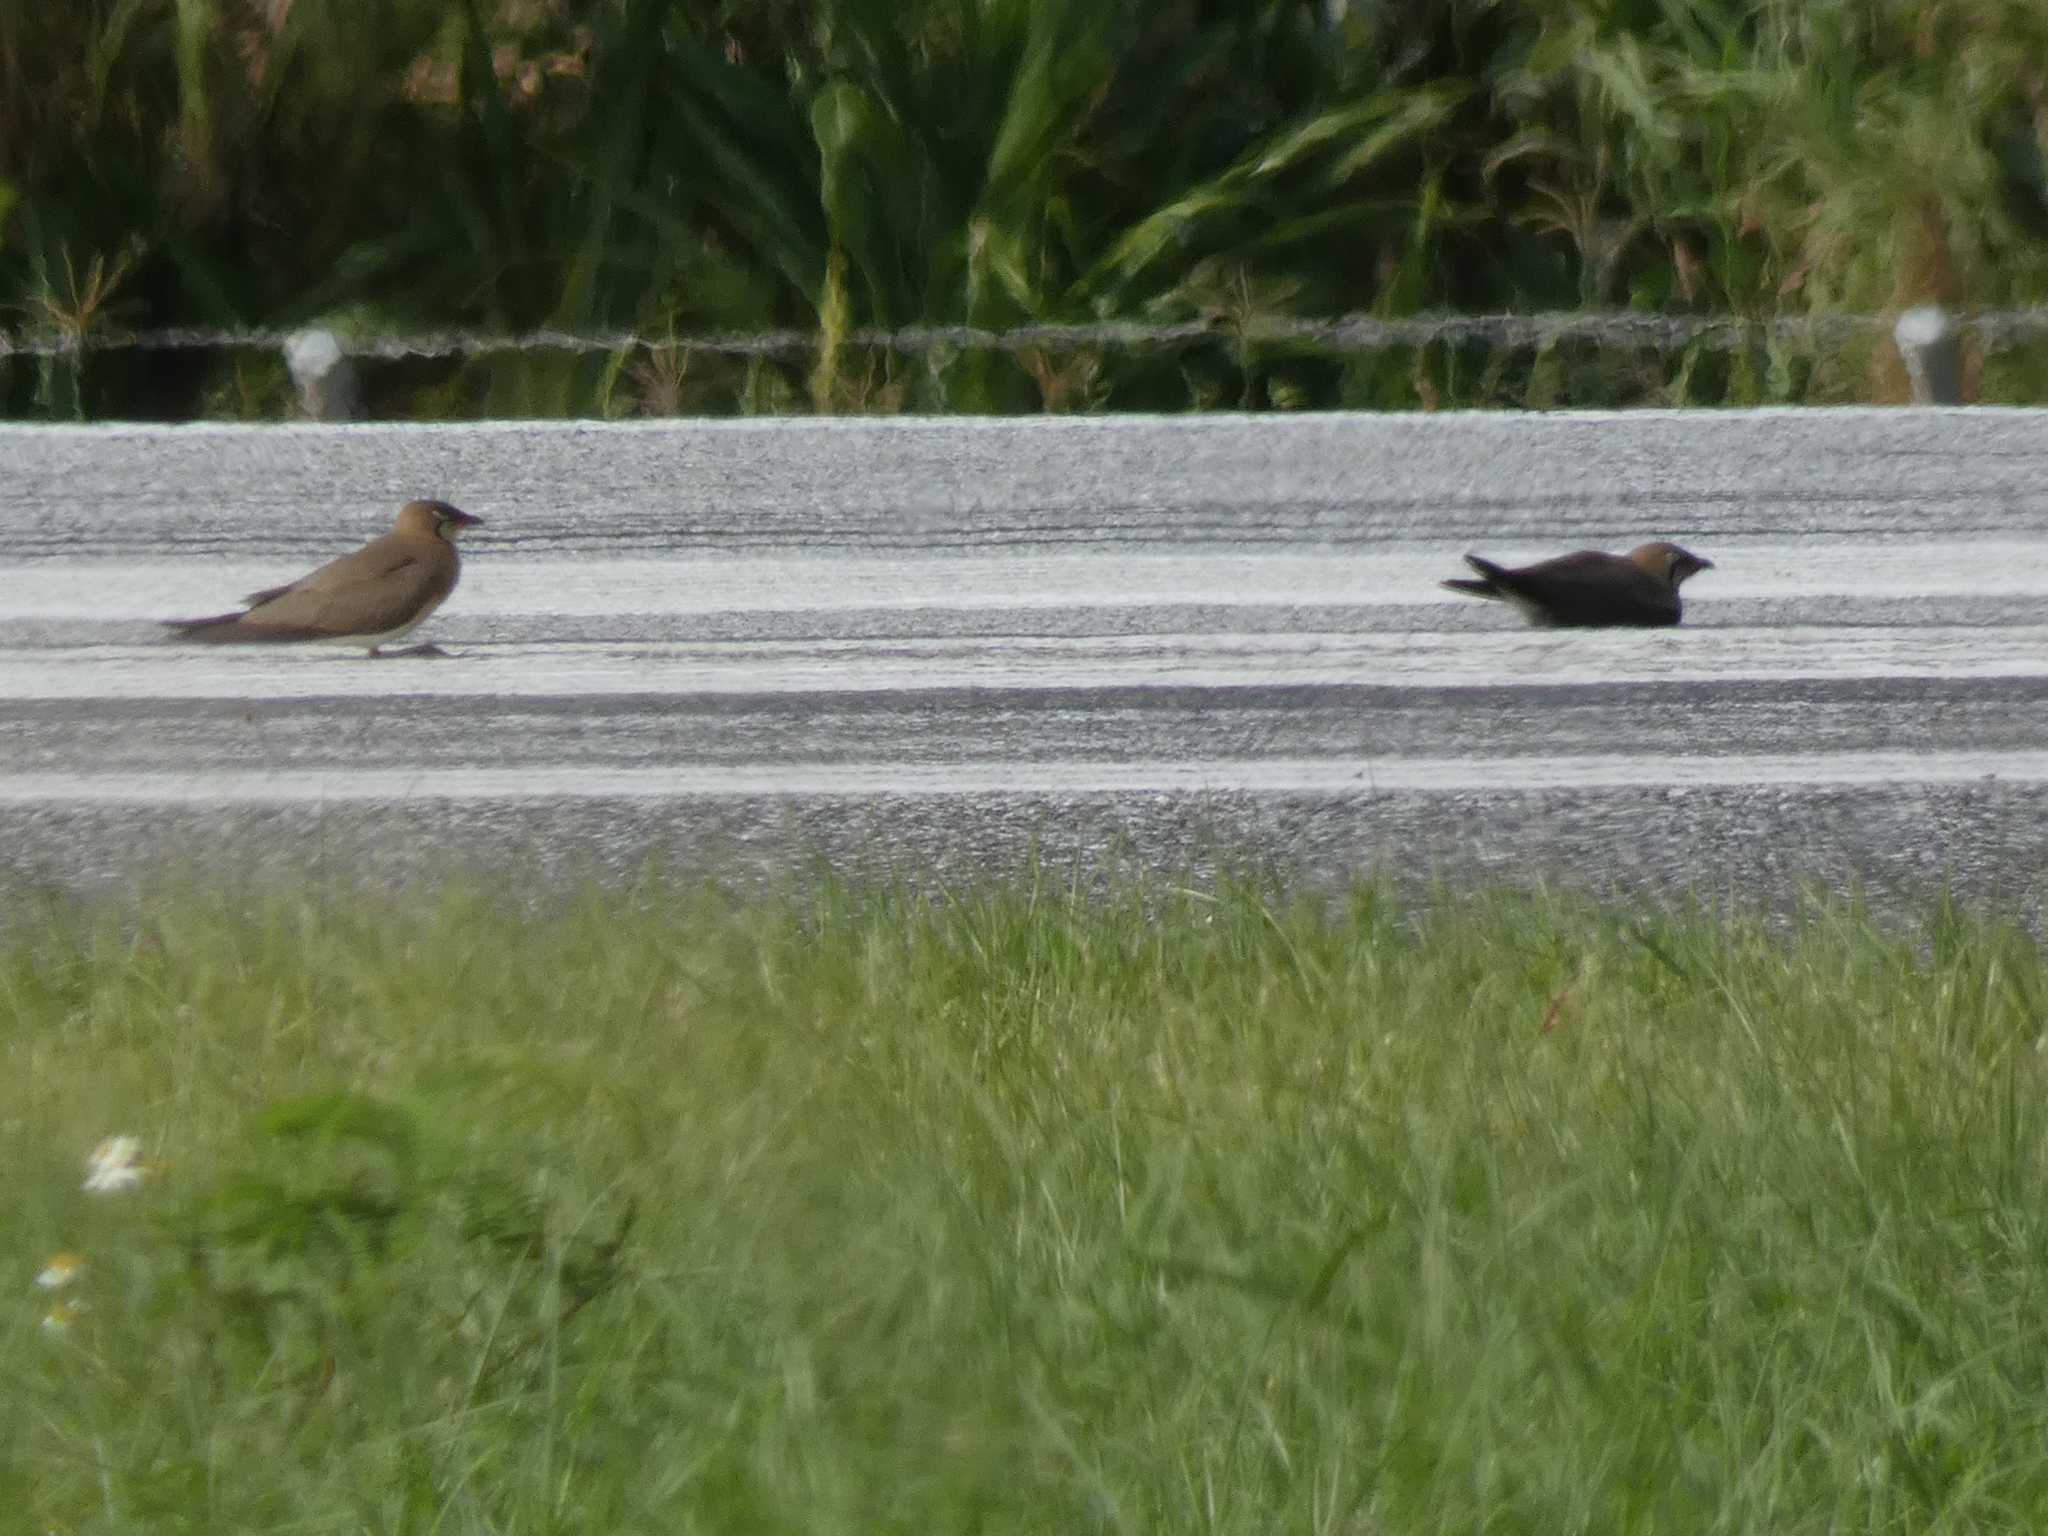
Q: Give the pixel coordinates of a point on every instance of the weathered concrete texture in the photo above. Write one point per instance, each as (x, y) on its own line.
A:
(922, 649)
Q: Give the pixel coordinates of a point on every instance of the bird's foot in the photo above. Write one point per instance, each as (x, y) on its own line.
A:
(428, 649)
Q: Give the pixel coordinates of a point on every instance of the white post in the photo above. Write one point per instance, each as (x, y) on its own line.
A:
(324, 374)
(1933, 350)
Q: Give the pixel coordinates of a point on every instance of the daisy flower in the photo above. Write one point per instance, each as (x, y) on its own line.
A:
(114, 1165)
(59, 1271)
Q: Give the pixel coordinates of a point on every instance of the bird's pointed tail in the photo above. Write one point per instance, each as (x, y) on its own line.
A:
(198, 629)
(1489, 583)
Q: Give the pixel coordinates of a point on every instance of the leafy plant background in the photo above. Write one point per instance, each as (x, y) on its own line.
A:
(682, 169)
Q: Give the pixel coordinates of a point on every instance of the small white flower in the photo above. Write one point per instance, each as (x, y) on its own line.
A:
(60, 1271)
(115, 1165)
(62, 1315)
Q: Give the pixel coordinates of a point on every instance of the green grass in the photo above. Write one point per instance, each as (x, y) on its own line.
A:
(659, 1212)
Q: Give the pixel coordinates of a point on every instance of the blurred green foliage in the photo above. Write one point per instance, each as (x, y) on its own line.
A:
(684, 167)
(485, 1206)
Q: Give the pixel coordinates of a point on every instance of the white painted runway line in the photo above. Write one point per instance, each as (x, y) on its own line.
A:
(596, 670)
(506, 582)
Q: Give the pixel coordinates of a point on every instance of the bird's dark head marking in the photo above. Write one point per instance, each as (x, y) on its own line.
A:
(440, 518)
(1669, 562)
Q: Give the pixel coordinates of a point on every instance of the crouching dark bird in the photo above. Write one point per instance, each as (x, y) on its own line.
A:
(369, 598)
(1591, 589)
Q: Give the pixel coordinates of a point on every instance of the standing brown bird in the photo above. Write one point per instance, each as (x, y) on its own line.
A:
(368, 598)
(1591, 588)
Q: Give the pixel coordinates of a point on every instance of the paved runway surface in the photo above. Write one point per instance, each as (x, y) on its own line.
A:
(926, 648)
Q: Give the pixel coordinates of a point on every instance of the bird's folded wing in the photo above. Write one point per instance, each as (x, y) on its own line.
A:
(368, 593)
(379, 556)
(1592, 592)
